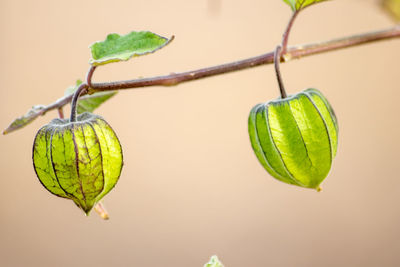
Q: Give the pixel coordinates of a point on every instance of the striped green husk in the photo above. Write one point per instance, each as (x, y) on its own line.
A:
(295, 139)
(81, 160)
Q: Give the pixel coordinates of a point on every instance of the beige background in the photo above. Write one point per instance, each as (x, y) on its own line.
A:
(191, 186)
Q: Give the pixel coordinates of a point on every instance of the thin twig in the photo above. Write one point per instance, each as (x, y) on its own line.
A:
(268, 58)
(74, 104)
(90, 75)
(278, 71)
(60, 112)
(280, 50)
(285, 37)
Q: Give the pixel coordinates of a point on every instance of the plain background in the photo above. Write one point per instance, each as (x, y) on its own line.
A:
(191, 186)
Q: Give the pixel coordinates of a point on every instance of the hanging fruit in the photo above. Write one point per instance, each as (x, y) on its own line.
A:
(295, 137)
(78, 158)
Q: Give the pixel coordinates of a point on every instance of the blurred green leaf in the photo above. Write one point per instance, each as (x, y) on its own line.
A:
(123, 47)
(89, 103)
(25, 119)
(393, 8)
(300, 4)
(214, 262)
(72, 89)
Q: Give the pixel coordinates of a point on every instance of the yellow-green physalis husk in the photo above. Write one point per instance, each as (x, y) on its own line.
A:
(79, 160)
(295, 138)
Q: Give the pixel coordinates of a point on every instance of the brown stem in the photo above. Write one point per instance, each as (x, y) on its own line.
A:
(90, 75)
(60, 112)
(74, 102)
(83, 88)
(281, 50)
(268, 58)
(277, 59)
(285, 37)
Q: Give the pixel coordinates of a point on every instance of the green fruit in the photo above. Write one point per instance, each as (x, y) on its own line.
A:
(79, 160)
(295, 138)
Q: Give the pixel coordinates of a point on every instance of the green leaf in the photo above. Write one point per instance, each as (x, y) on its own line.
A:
(25, 119)
(121, 48)
(296, 5)
(89, 103)
(393, 8)
(214, 262)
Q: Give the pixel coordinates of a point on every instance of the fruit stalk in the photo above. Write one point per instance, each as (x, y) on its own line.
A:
(74, 101)
(277, 59)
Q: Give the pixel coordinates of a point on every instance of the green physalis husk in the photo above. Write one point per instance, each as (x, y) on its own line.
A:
(295, 138)
(79, 160)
